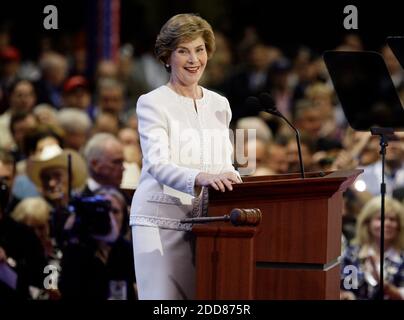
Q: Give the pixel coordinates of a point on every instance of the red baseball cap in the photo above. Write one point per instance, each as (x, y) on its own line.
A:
(75, 82)
(10, 54)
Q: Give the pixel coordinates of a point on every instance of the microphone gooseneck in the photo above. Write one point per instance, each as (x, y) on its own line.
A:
(268, 104)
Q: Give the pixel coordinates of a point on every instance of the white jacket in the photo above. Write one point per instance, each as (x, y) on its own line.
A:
(178, 141)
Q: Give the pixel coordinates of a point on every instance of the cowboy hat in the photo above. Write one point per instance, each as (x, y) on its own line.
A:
(55, 156)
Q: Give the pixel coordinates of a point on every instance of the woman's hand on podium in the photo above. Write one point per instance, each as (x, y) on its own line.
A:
(218, 182)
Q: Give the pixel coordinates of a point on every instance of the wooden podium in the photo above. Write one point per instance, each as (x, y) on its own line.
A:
(292, 254)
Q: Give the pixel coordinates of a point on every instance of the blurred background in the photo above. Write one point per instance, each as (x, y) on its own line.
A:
(283, 23)
(74, 90)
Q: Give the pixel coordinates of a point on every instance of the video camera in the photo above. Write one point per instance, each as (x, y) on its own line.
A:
(92, 216)
(91, 213)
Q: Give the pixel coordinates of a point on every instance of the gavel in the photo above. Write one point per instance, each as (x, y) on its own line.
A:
(238, 217)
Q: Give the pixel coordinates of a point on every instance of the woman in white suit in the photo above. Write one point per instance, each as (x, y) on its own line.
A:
(184, 135)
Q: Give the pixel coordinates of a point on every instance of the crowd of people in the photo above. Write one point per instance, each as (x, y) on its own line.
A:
(69, 147)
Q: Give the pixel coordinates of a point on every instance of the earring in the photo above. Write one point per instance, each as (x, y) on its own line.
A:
(167, 65)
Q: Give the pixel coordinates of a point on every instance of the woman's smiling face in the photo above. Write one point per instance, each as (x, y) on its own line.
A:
(188, 62)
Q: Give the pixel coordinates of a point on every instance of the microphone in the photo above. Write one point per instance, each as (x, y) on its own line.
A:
(237, 217)
(253, 104)
(268, 104)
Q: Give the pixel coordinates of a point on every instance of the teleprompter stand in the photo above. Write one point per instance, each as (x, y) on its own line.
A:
(370, 103)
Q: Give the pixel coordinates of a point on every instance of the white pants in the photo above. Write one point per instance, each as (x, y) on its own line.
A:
(164, 263)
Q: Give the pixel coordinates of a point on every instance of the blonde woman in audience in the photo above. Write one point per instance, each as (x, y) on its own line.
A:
(364, 255)
(35, 213)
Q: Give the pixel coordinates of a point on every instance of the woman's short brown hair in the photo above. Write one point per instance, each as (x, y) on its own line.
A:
(182, 28)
